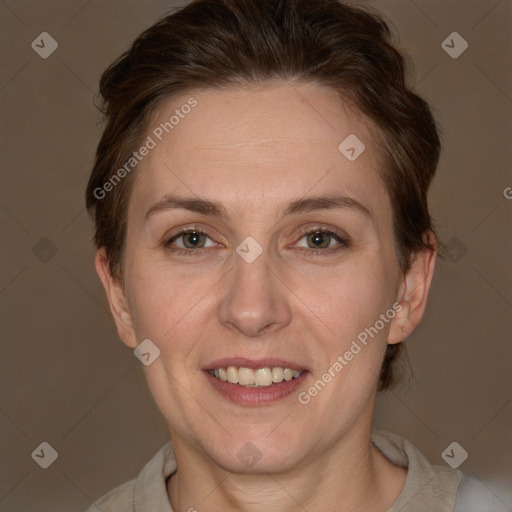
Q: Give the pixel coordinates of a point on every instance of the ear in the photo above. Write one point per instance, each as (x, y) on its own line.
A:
(117, 300)
(413, 293)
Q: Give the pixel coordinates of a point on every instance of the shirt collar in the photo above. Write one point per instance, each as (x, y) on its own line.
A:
(150, 491)
(430, 487)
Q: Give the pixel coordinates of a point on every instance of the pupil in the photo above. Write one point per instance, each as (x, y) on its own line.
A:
(317, 239)
(193, 238)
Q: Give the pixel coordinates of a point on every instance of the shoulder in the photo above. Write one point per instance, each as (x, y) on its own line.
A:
(119, 499)
(474, 496)
(427, 486)
(147, 492)
(433, 487)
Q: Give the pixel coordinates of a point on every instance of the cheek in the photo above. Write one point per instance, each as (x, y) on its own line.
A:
(348, 330)
(349, 298)
(158, 299)
(346, 299)
(351, 337)
(174, 311)
(161, 310)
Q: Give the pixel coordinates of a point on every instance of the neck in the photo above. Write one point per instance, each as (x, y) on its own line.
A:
(352, 476)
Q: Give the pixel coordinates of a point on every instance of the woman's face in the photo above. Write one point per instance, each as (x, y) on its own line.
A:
(258, 286)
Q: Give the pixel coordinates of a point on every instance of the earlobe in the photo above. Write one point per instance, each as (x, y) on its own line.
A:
(117, 300)
(413, 295)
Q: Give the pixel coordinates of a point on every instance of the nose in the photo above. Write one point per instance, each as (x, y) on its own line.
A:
(255, 301)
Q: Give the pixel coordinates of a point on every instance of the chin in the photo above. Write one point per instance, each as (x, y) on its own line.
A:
(253, 453)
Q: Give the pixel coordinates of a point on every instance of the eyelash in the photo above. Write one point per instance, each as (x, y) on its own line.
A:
(342, 241)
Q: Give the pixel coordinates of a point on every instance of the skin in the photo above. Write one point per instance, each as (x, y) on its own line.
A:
(254, 150)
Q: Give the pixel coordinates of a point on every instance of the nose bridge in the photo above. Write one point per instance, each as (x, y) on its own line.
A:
(254, 300)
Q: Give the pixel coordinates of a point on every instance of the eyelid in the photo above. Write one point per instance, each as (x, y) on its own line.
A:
(305, 230)
(183, 231)
(341, 237)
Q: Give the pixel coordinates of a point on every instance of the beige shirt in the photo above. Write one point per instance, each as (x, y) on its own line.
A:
(427, 488)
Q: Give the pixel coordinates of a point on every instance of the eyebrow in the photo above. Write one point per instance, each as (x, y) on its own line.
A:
(296, 207)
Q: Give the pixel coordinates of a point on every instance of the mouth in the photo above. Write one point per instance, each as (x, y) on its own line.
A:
(263, 377)
(254, 383)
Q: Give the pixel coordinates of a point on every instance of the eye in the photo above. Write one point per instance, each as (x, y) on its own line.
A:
(321, 240)
(191, 240)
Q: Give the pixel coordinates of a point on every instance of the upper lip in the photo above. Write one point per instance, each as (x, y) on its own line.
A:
(253, 363)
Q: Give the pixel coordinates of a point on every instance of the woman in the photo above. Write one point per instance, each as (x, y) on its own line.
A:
(264, 240)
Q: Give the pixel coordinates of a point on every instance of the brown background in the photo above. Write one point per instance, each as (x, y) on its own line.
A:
(66, 379)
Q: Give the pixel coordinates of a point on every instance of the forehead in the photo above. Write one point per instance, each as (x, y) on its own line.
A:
(258, 145)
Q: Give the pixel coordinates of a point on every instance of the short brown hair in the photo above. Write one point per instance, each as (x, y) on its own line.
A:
(221, 43)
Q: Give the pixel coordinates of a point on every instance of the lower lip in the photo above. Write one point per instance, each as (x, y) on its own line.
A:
(255, 396)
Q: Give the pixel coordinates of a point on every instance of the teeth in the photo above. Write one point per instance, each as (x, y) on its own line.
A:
(261, 377)
(232, 374)
(277, 374)
(245, 377)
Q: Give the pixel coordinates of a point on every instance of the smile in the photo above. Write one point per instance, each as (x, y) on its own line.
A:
(255, 378)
